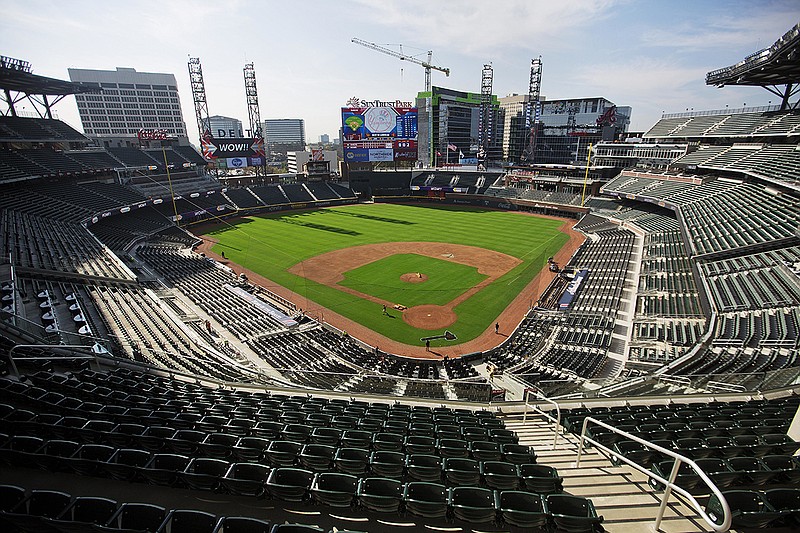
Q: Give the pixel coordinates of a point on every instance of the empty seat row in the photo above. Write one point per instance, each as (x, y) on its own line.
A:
(759, 509)
(48, 510)
(749, 472)
(514, 467)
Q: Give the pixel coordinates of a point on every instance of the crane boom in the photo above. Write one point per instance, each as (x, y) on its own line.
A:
(426, 64)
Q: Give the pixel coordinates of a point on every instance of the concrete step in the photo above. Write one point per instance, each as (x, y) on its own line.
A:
(619, 493)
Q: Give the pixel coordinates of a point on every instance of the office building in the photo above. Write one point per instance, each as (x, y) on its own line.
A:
(226, 127)
(285, 134)
(567, 128)
(448, 127)
(130, 101)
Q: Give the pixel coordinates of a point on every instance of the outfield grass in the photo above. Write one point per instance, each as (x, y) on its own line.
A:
(272, 243)
(381, 278)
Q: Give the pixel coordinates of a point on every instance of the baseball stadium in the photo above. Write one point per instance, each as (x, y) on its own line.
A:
(606, 344)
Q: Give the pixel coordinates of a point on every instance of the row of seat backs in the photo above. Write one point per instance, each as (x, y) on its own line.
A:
(46, 510)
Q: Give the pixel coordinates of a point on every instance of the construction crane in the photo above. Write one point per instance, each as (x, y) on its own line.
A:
(402, 57)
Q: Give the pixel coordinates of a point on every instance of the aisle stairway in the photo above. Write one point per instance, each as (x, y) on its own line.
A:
(619, 493)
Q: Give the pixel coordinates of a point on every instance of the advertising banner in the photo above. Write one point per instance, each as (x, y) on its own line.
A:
(237, 162)
(356, 155)
(232, 148)
(381, 154)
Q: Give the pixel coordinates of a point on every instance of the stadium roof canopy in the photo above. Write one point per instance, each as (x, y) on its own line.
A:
(777, 65)
(16, 76)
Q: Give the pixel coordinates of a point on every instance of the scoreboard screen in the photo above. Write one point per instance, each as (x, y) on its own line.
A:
(379, 133)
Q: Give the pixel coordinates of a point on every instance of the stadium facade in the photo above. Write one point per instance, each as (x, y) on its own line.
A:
(130, 101)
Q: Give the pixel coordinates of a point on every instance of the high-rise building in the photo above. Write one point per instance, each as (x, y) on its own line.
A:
(325, 138)
(567, 127)
(130, 101)
(225, 127)
(285, 134)
(448, 127)
(515, 134)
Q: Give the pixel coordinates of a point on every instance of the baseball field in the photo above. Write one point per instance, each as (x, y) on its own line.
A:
(403, 271)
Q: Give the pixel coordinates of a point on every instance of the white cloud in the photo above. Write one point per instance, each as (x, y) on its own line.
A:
(759, 29)
(482, 29)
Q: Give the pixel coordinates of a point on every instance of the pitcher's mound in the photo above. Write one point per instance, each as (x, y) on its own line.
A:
(429, 316)
(414, 277)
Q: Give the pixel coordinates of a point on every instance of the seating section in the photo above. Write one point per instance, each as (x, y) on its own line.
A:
(120, 232)
(143, 428)
(213, 290)
(562, 343)
(297, 192)
(742, 446)
(50, 162)
(552, 196)
(761, 217)
(149, 334)
(243, 198)
(133, 157)
(37, 130)
(462, 182)
(44, 244)
(755, 281)
(726, 125)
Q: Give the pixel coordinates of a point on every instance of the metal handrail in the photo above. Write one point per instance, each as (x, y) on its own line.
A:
(670, 485)
(726, 387)
(49, 358)
(535, 408)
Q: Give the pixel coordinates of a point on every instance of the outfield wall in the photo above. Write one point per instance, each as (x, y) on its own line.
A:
(490, 202)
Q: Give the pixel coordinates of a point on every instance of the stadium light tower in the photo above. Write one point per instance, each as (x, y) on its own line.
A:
(199, 96)
(253, 112)
(532, 109)
(486, 125)
(403, 57)
(251, 91)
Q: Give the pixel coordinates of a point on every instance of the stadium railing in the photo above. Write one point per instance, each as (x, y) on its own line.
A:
(669, 484)
(535, 408)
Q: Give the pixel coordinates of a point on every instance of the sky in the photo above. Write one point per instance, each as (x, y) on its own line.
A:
(647, 54)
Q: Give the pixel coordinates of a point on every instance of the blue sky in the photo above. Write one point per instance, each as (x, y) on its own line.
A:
(650, 55)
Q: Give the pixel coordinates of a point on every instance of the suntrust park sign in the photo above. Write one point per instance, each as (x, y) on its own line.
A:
(357, 102)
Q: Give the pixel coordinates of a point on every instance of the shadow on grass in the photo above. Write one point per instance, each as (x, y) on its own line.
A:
(322, 227)
(370, 217)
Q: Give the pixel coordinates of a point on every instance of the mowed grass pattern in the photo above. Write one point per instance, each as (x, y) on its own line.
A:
(382, 279)
(272, 243)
